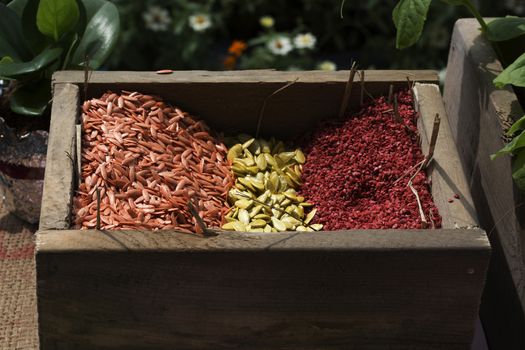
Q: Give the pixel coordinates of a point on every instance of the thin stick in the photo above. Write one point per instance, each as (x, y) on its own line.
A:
(98, 209)
(432, 220)
(263, 107)
(199, 220)
(348, 91)
(79, 154)
(409, 170)
(424, 221)
(433, 140)
(397, 117)
(86, 76)
(362, 86)
(390, 93)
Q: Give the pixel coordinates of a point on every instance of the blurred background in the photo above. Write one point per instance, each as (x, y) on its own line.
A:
(281, 34)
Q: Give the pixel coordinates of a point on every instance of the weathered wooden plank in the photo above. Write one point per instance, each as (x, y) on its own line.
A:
(242, 76)
(58, 181)
(312, 298)
(479, 114)
(445, 170)
(231, 101)
(368, 289)
(144, 241)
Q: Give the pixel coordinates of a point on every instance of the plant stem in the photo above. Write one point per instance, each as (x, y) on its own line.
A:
(485, 29)
(474, 11)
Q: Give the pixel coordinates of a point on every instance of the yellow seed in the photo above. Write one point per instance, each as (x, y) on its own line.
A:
(278, 224)
(234, 152)
(299, 156)
(243, 203)
(261, 162)
(258, 223)
(267, 228)
(317, 227)
(247, 144)
(262, 216)
(286, 156)
(244, 216)
(269, 159)
(299, 211)
(255, 210)
(310, 216)
(228, 226)
(290, 222)
(239, 226)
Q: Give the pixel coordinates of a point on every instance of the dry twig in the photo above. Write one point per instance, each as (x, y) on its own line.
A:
(263, 107)
(433, 140)
(348, 91)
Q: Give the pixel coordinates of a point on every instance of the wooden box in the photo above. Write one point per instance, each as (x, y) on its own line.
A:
(356, 289)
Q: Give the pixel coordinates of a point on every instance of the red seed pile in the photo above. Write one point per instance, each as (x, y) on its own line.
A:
(148, 160)
(352, 166)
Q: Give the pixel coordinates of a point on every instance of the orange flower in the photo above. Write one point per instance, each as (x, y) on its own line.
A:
(237, 48)
(230, 62)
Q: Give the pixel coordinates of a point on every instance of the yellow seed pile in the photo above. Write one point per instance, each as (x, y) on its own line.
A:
(264, 198)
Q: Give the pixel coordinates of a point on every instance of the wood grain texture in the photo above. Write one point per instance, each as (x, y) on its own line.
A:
(479, 115)
(445, 170)
(59, 174)
(71, 241)
(278, 298)
(230, 102)
(373, 289)
(240, 76)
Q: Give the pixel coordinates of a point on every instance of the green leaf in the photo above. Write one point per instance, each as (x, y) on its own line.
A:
(20, 69)
(517, 126)
(507, 28)
(36, 40)
(409, 18)
(12, 41)
(54, 18)
(100, 37)
(31, 99)
(511, 147)
(17, 6)
(6, 60)
(513, 74)
(518, 170)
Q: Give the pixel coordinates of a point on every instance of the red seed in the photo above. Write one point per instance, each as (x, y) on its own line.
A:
(352, 166)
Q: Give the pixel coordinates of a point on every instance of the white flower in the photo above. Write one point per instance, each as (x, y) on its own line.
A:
(304, 41)
(200, 22)
(280, 45)
(266, 21)
(156, 18)
(327, 65)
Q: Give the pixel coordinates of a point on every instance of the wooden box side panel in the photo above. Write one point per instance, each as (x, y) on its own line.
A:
(445, 170)
(479, 115)
(260, 299)
(61, 157)
(231, 102)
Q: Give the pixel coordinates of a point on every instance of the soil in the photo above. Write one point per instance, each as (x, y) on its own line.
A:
(354, 170)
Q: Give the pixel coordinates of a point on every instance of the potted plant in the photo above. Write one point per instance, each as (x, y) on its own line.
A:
(483, 91)
(37, 38)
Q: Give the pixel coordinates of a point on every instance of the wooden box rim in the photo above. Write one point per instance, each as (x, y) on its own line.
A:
(55, 236)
